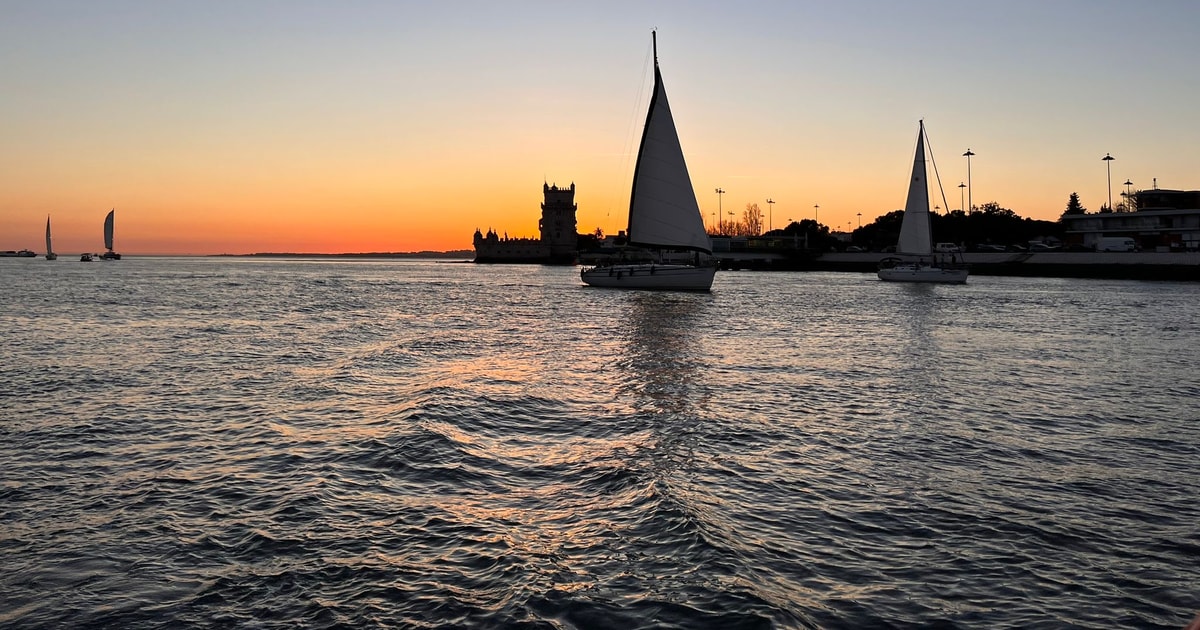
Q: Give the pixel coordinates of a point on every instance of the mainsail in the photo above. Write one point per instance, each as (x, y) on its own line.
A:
(915, 234)
(49, 248)
(663, 212)
(108, 230)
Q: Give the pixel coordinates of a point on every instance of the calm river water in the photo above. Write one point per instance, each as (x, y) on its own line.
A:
(216, 442)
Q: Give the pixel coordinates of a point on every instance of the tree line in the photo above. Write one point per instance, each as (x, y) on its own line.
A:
(989, 223)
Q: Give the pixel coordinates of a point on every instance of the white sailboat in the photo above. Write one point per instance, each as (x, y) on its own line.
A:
(665, 228)
(50, 255)
(916, 261)
(108, 238)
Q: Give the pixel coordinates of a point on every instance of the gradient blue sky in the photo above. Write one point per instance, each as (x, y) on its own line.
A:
(230, 127)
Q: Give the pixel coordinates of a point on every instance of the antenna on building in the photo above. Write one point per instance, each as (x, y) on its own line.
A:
(1155, 183)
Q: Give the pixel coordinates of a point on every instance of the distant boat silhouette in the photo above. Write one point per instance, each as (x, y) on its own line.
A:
(50, 255)
(108, 238)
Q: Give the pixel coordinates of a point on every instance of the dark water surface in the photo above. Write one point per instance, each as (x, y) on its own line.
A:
(286, 443)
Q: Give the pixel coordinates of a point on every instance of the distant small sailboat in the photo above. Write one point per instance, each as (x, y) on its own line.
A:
(916, 237)
(108, 238)
(85, 257)
(664, 217)
(50, 255)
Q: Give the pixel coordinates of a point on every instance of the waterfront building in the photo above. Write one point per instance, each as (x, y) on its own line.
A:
(1164, 221)
(558, 243)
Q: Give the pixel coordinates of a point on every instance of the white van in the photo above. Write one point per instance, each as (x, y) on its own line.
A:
(1116, 244)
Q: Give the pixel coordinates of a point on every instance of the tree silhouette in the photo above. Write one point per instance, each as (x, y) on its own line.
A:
(752, 222)
(1073, 205)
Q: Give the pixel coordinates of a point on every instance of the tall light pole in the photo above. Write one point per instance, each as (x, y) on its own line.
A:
(770, 213)
(961, 196)
(1128, 195)
(720, 191)
(970, 204)
(816, 215)
(1108, 158)
(860, 220)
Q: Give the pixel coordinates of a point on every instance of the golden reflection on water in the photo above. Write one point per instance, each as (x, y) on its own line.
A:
(662, 353)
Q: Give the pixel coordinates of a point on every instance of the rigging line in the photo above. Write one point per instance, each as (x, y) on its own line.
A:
(936, 175)
(633, 129)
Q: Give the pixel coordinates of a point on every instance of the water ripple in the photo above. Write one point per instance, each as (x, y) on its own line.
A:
(247, 443)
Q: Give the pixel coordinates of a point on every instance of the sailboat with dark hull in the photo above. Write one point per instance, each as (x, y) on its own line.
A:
(109, 254)
(668, 247)
(915, 260)
(50, 255)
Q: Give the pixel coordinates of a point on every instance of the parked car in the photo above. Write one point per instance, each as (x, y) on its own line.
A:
(1042, 247)
(946, 248)
(990, 247)
(855, 248)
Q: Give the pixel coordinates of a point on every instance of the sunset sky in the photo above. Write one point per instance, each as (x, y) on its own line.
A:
(287, 125)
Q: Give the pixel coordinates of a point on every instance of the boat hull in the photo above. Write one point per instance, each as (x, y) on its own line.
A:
(658, 277)
(912, 272)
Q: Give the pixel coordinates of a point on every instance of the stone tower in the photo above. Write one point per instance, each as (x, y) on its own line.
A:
(557, 224)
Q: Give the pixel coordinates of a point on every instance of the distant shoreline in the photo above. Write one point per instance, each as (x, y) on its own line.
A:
(455, 254)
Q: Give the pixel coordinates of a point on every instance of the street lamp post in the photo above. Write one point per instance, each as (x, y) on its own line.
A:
(970, 204)
(1128, 195)
(770, 214)
(860, 220)
(961, 196)
(720, 191)
(1108, 158)
(816, 214)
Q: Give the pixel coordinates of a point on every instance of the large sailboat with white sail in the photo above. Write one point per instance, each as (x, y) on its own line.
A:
(915, 260)
(668, 247)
